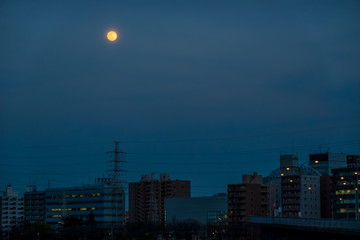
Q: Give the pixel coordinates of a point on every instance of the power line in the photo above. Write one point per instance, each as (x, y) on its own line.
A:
(254, 151)
(188, 139)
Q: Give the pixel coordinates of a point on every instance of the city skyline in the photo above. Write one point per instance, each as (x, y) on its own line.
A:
(203, 92)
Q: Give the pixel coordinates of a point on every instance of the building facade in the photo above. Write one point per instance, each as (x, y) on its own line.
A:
(146, 198)
(81, 201)
(326, 196)
(250, 198)
(346, 193)
(11, 210)
(300, 195)
(34, 205)
(297, 189)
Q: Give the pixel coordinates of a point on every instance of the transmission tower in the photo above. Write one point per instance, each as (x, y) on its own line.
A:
(118, 184)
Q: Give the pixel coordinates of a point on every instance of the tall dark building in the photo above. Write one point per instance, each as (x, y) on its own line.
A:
(346, 197)
(326, 195)
(146, 198)
(34, 205)
(251, 197)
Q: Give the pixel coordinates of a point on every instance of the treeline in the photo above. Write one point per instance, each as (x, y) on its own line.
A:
(75, 228)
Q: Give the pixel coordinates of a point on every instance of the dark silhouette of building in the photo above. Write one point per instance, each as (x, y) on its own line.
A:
(196, 208)
(146, 198)
(326, 195)
(34, 205)
(353, 160)
(250, 198)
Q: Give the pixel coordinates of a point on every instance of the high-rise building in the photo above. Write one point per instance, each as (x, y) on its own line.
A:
(346, 193)
(81, 201)
(146, 198)
(300, 195)
(298, 188)
(34, 205)
(11, 210)
(250, 198)
(325, 162)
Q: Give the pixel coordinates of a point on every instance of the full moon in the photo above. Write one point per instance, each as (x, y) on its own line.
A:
(112, 36)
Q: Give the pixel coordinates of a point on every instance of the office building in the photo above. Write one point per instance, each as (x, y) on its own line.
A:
(346, 188)
(11, 210)
(34, 205)
(107, 207)
(250, 198)
(146, 198)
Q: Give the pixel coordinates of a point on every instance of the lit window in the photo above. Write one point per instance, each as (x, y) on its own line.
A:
(82, 209)
(316, 161)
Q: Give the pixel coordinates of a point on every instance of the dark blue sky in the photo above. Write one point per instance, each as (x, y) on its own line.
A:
(206, 91)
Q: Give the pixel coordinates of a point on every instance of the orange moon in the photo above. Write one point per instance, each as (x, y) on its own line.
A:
(111, 36)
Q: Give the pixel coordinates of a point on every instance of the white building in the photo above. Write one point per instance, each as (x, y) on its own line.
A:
(11, 209)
